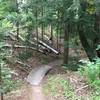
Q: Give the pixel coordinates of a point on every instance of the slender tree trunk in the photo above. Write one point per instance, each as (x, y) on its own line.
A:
(52, 33)
(17, 23)
(37, 35)
(97, 24)
(1, 94)
(66, 43)
(58, 32)
(97, 29)
(42, 27)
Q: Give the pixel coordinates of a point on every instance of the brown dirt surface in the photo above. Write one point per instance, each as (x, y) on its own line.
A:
(21, 94)
(76, 82)
(36, 60)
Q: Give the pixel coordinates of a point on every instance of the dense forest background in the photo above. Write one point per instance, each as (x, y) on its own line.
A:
(50, 27)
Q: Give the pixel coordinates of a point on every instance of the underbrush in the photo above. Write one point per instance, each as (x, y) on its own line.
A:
(91, 71)
(24, 55)
(58, 87)
(8, 83)
(72, 64)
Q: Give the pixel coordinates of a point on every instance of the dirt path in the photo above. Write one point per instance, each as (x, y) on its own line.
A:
(30, 92)
(35, 92)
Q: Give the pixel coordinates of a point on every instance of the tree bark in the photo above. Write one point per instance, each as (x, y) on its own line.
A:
(1, 96)
(42, 27)
(88, 49)
(37, 35)
(97, 24)
(84, 40)
(17, 23)
(66, 43)
(58, 31)
(51, 38)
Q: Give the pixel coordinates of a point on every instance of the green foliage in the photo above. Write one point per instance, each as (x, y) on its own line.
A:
(24, 55)
(95, 97)
(7, 83)
(92, 73)
(5, 72)
(98, 47)
(58, 87)
(6, 78)
(72, 64)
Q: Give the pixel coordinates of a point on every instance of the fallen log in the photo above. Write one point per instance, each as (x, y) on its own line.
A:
(25, 67)
(23, 64)
(47, 46)
(15, 35)
(12, 37)
(86, 86)
(23, 47)
(41, 44)
(31, 42)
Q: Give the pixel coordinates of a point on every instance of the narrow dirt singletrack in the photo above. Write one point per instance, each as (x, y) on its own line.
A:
(35, 91)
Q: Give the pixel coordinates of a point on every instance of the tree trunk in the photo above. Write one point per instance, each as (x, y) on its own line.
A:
(88, 49)
(42, 27)
(17, 23)
(51, 38)
(1, 96)
(37, 35)
(58, 31)
(66, 43)
(84, 40)
(97, 24)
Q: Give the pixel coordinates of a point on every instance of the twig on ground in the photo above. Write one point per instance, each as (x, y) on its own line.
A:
(82, 88)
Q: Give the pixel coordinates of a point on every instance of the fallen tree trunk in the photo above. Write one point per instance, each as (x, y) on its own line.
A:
(15, 35)
(23, 64)
(23, 47)
(41, 44)
(47, 46)
(12, 37)
(25, 67)
(22, 39)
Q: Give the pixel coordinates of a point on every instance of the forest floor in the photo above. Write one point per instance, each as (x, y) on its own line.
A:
(51, 89)
(59, 83)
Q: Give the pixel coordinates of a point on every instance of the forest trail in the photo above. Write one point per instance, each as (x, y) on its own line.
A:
(35, 91)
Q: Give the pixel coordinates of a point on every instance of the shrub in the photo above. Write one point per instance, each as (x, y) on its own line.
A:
(6, 78)
(91, 70)
(24, 55)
